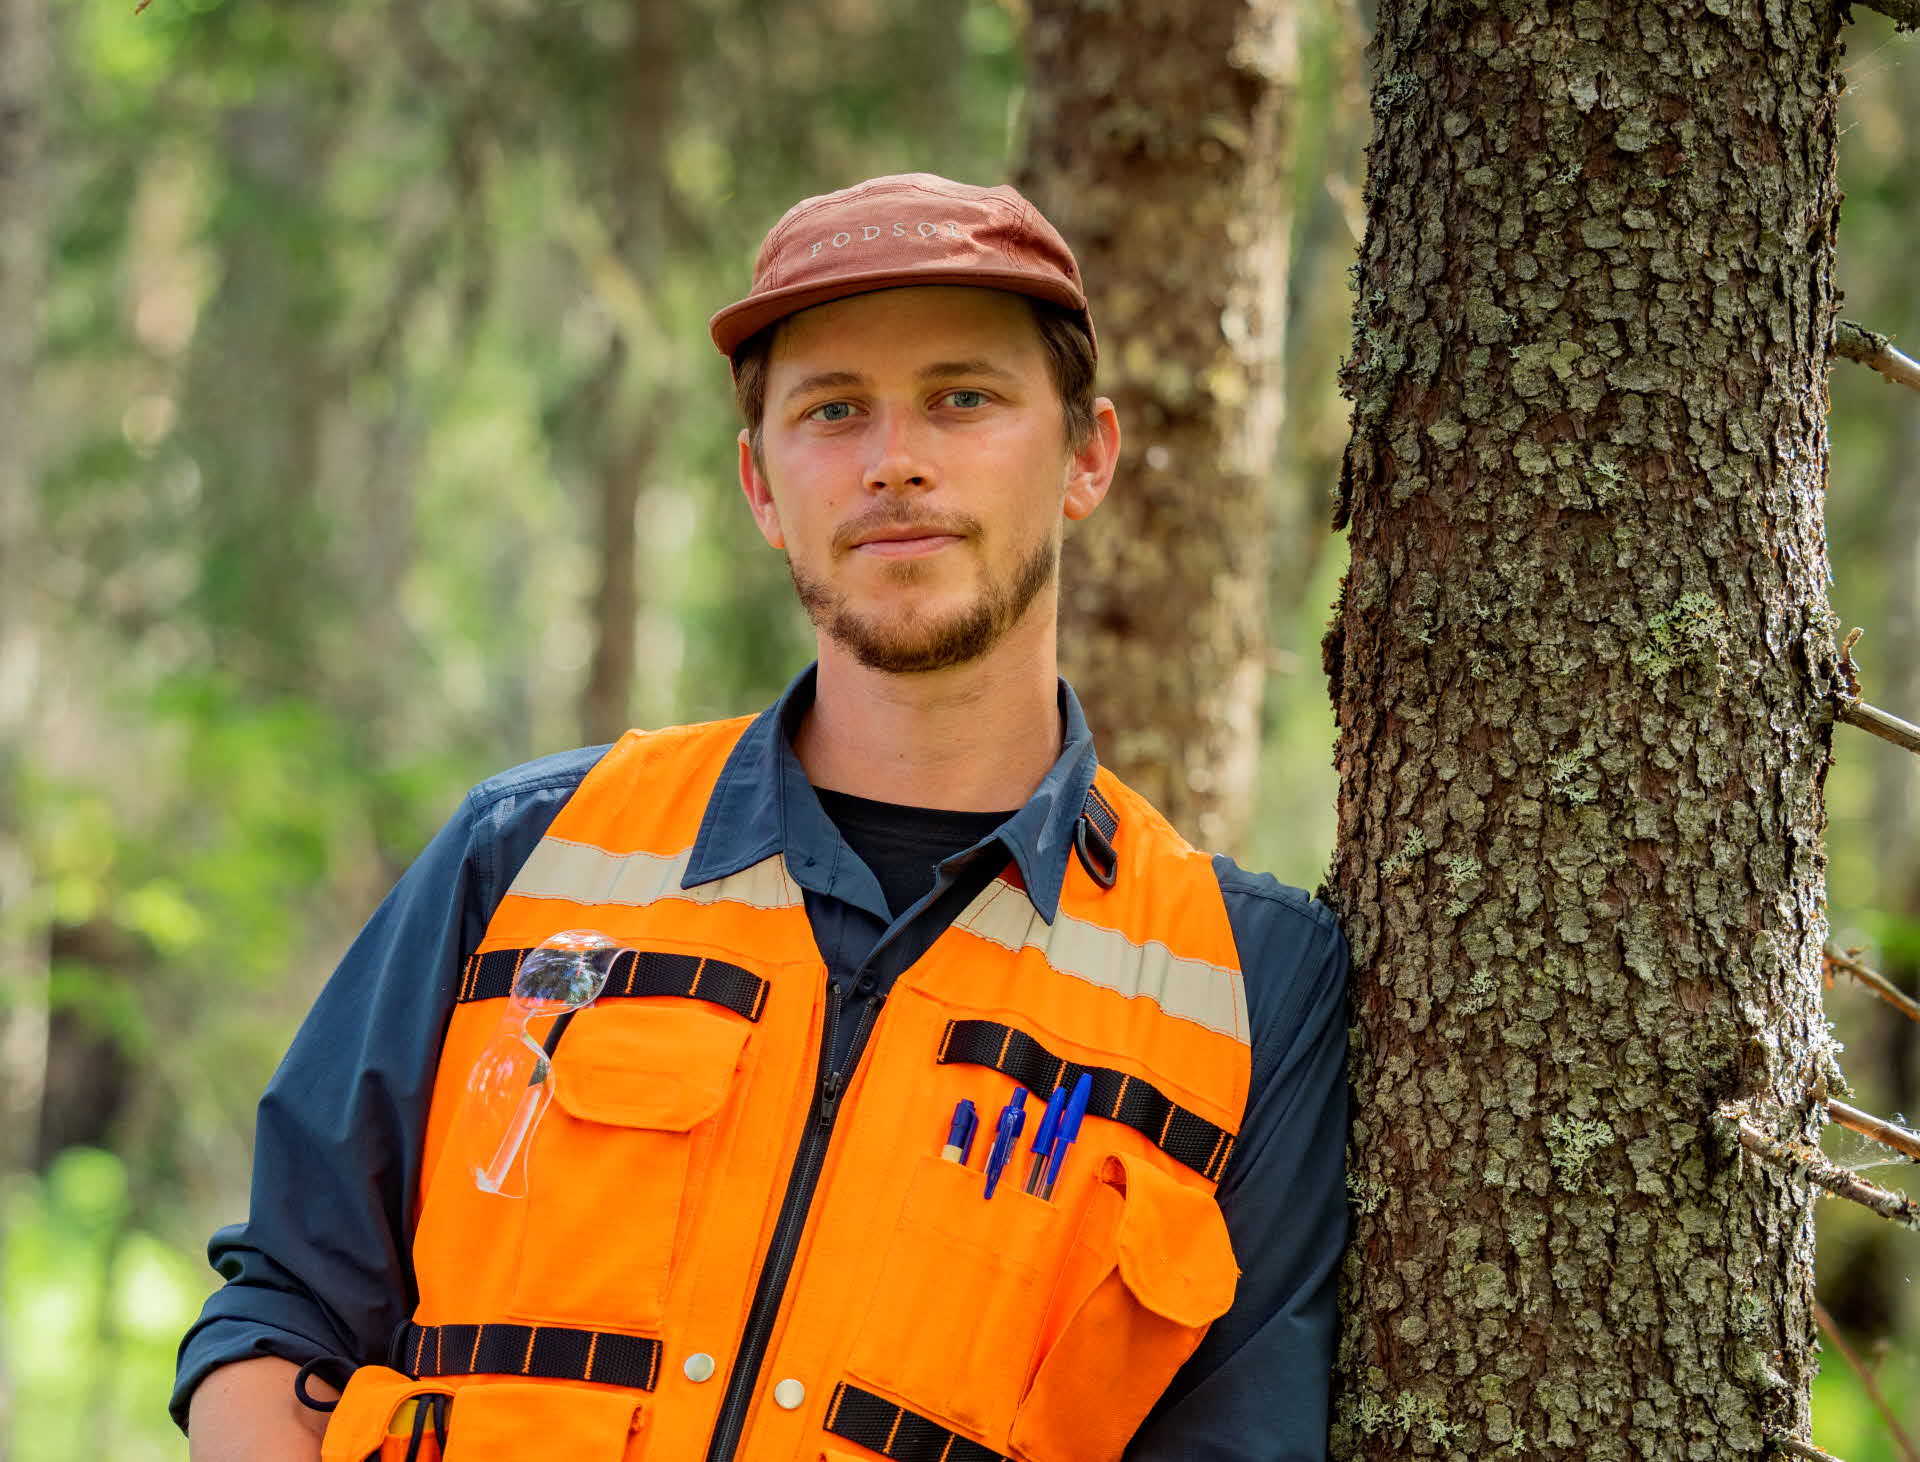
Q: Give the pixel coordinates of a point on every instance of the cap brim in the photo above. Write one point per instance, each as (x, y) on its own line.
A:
(731, 327)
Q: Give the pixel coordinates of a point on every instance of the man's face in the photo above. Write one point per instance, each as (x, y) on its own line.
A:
(915, 469)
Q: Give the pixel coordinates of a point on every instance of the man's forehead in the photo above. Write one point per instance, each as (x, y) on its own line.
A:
(930, 330)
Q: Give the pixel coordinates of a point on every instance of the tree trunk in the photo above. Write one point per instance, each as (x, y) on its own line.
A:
(24, 65)
(1155, 145)
(624, 435)
(1582, 663)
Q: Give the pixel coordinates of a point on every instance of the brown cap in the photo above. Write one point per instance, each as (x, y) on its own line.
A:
(913, 228)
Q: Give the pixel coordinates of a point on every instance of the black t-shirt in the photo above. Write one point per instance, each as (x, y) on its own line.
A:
(904, 846)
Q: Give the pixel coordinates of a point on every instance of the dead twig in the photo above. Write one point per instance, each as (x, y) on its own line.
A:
(1801, 1449)
(1856, 342)
(1867, 1380)
(1822, 1170)
(1873, 980)
(1880, 723)
(1886, 1133)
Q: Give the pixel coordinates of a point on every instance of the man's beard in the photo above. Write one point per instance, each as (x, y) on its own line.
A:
(912, 643)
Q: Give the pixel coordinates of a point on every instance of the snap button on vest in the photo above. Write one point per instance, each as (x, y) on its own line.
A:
(788, 1394)
(699, 1366)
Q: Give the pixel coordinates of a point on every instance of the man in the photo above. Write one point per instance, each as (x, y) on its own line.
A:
(751, 1225)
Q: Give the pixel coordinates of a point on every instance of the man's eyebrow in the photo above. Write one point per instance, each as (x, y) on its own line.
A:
(825, 381)
(947, 370)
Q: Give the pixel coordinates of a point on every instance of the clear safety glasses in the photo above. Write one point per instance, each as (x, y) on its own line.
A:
(512, 1083)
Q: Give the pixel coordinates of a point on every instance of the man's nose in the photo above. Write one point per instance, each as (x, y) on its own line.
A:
(899, 462)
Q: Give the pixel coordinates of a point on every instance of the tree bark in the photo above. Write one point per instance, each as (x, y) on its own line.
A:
(1583, 667)
(1155, 144)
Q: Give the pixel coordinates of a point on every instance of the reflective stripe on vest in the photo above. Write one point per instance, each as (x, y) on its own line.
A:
(1002, 1326)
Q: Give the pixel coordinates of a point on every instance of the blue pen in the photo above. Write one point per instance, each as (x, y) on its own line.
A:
(1069, 1129)
(1043, 1139)
(1013, 1117)
(960, 1133)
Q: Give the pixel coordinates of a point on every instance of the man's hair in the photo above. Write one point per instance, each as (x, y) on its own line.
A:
(1070, 361)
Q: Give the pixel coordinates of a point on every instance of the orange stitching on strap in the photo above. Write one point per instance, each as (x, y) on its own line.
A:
(1207, 1171)
(1119, 1096)
(946, 1039)
(474, 1359)
(899, 1415)
(1223, 1159)
(653, 1370)
(952, 1437)
(1165, 1126)
(526, 1361)
(1060, 1076)
(593, 1344)
(633, 968)
(1000, 1061)
(467, 974)
(833, 1406)
(439, 1349)
(420, 1351)
(759, 1000)
(698, 970)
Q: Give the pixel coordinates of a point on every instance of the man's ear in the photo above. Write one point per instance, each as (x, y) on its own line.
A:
(753, 482)
(1091, 465)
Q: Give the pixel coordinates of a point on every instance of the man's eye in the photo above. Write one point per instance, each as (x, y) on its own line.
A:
(965, 399)
(831, 411)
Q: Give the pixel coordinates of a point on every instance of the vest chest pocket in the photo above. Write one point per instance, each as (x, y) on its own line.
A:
(638, 1085)
(1150, 1268)
(960, 1297)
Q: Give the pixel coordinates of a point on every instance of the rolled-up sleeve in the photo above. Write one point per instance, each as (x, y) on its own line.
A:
(321, 1267)
(1256, 1389)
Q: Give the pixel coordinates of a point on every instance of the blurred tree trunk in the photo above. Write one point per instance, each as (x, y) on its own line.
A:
(24, 64)
(1155, 144)
(256, 390)
(625, 429)
(1583, 668)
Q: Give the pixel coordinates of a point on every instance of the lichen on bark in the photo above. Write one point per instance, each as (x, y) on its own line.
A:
(1582, 663)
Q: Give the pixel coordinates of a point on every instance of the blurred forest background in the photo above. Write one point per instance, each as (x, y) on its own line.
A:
(373, 333)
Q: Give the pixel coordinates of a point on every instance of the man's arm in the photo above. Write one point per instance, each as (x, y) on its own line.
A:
(1256, 1389)
(246, 1411)
(321, 1267)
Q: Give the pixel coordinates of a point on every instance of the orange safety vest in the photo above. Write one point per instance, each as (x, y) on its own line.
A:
(597, 1318)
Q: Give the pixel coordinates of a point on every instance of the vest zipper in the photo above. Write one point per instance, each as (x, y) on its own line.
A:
(830, 1086)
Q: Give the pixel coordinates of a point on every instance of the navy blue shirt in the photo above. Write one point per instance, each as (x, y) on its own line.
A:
(321, 1265)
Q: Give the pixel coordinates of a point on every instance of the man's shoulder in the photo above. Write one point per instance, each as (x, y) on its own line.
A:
(1279, 909)
(559, 772)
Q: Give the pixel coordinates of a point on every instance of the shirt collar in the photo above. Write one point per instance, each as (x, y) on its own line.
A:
(763, 804)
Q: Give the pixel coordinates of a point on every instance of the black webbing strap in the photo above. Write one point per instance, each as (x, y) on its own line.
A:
(1101, 812)
(1186, 1137)
(552, 1351)
(893, 1431)
(1093, 834)
(636, 972)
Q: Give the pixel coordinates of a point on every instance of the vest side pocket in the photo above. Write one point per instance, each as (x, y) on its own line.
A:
(1149, 1270)
(507, 1421)
(368, 1420)
(961, 1294)
(618, 1157)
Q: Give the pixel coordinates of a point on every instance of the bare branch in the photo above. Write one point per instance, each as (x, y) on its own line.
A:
(1801, 1449)
(1900, 1437)
(1867, 1125)
(1874, 981)
(1869, 347)
(1886, 727)
(1821, 1169)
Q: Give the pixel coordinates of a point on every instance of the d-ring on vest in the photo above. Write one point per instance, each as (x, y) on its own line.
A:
(601, 1317)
